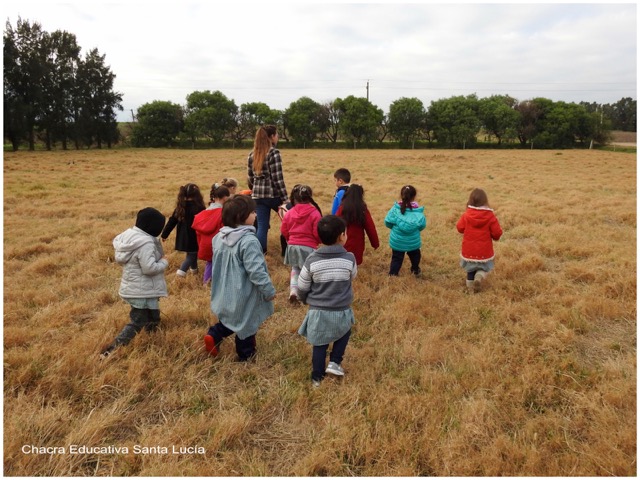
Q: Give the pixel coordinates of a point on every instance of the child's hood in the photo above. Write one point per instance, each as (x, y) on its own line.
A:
(300, 213)
(230, 236)
(129, 241)
(479, 216)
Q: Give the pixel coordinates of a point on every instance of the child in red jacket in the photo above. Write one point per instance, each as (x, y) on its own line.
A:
(355, 213)
(480, 228)
(207, 224)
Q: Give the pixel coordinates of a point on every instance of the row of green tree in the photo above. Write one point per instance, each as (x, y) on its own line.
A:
(53, 94)
(451, 122)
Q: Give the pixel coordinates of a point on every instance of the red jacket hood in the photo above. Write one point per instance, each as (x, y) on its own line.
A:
(480, 228)
(478, 217)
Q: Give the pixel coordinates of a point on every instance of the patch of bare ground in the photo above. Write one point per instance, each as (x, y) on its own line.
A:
(533, 376)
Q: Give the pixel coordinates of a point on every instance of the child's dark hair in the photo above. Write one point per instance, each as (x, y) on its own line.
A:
(330, 227)
(218, 191)
(478, 198)
(343, 174)
(190, 191)
(353, 205)
(407, 195)
(237, 209)
(303, 194)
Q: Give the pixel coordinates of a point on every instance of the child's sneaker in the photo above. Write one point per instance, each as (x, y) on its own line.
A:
(210, 345)
(315, 383)
(335, 369)
(193, 270)
(181, 273)
(107, 352)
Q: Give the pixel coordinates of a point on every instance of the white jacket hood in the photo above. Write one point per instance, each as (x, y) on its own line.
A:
(129, 241)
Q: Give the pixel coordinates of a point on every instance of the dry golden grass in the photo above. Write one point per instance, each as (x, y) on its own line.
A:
(536, 375)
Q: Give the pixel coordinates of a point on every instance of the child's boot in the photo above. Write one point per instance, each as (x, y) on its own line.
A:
(479, 276)
(470, 287)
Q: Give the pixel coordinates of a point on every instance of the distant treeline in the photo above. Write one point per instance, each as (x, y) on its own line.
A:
(55, 97)
(210, 119)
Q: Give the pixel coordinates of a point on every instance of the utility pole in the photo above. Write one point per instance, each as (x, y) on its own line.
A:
(367, 90)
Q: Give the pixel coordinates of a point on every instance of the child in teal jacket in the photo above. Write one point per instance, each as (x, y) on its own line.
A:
(406, 220)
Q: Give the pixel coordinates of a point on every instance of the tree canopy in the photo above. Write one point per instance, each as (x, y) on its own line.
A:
(52, 91)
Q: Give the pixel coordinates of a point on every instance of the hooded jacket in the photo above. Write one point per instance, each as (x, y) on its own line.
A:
(207, 224)
(479, 227)
(140, 254)
(300, 225)
(241, 288)
(355, 235)
(405, 228)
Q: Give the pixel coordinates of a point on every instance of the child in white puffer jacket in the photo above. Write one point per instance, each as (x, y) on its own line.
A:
(140, 253)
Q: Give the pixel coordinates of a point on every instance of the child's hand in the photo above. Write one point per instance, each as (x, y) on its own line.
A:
(271, 299)
(282, 209)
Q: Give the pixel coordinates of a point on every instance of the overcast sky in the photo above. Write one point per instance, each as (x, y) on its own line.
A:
(276, 53)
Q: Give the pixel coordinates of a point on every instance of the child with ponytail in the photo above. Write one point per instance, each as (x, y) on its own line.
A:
(406, 220)
(300, 230)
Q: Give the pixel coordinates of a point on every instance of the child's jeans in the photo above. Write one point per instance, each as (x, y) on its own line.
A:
(397, 258)
(319, 355)
(244, 348)
(146, 318)
(190, 262)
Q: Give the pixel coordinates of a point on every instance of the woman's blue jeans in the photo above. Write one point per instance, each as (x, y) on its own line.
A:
(263, 209)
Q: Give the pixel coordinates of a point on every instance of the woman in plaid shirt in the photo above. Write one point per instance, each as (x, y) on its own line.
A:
(266, 179)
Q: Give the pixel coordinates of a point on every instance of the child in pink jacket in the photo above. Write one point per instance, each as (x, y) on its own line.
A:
(300, 230)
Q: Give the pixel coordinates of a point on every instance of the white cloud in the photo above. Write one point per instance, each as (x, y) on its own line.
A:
(277, 53)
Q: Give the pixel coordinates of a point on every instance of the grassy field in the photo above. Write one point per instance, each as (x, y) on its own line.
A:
(535, 375)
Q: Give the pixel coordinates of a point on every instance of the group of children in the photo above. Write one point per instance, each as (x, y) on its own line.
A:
(323, 252)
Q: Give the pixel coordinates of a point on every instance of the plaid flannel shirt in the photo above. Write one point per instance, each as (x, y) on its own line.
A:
(270, 182)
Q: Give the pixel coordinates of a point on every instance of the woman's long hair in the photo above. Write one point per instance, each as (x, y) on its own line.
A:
(261, 146)
(353, 205)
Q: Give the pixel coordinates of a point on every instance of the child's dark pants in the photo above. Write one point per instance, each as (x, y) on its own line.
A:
(319, 355)
(397, 258)
(244, 348)
(140, 318)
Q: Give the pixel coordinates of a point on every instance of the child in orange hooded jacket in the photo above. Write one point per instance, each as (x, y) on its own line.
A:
(480, 228)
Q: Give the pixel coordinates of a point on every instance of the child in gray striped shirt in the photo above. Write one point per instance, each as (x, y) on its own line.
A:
(325, 285)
